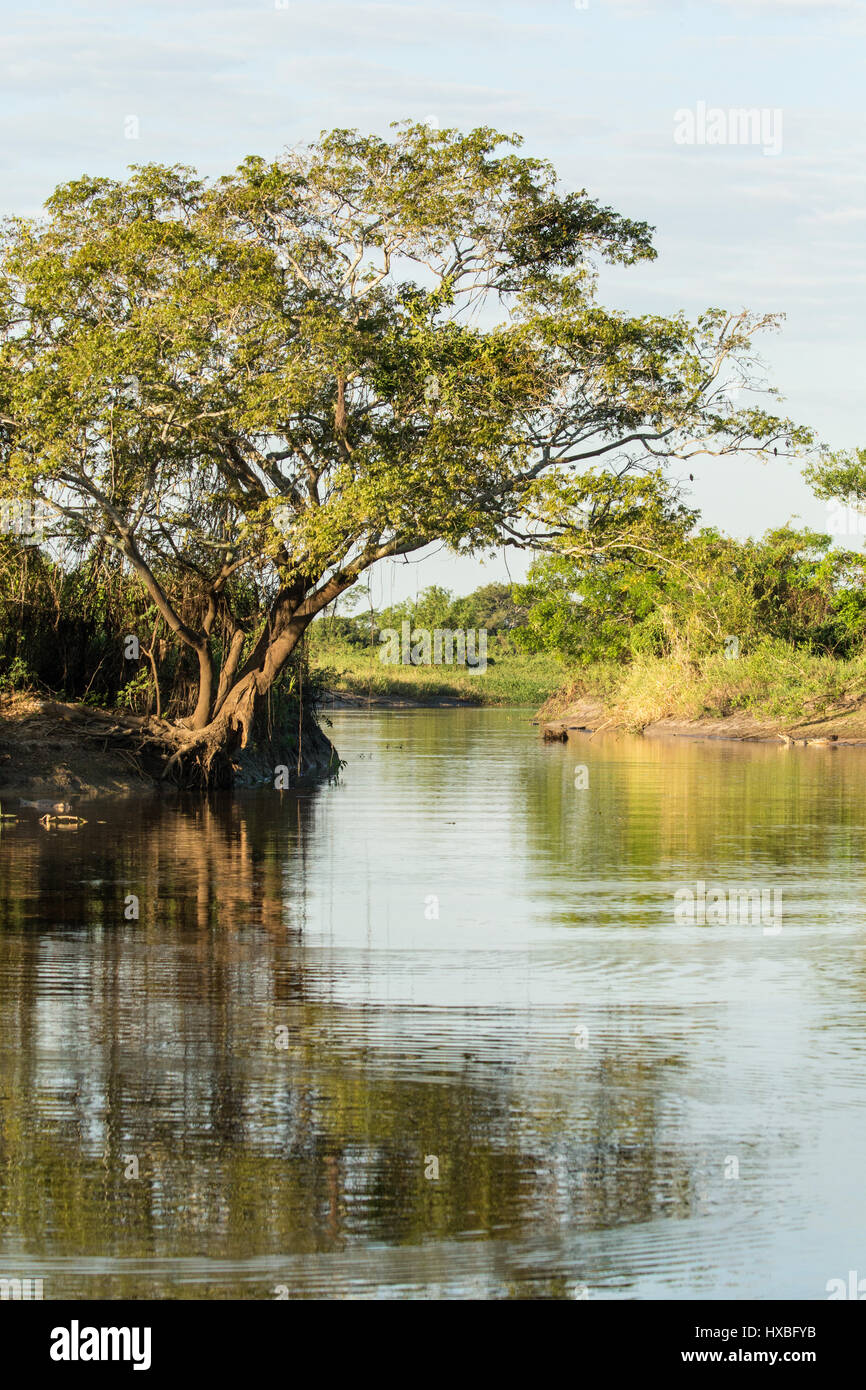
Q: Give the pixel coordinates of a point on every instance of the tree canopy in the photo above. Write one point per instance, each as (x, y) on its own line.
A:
(270, 381)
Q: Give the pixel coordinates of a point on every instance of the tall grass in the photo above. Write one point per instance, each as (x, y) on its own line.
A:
(774, 681)
(511, 679)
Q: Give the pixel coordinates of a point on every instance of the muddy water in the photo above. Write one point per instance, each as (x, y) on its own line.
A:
(444, 1028)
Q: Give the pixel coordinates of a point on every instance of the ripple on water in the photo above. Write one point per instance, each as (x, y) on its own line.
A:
(453, 955)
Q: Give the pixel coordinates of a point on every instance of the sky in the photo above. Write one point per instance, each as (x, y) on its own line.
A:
(611, 91)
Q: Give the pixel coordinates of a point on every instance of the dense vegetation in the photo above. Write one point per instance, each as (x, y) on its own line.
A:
(660, 616)
(641, 605)
(645, 579)
(65, 630)
(246, 392)
(346, 649)
(231, 399)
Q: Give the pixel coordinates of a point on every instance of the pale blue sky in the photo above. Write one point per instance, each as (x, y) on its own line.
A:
(593, 89)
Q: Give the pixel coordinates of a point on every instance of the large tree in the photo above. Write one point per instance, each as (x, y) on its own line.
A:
(288, 374)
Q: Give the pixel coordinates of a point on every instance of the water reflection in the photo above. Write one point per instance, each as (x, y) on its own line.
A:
(458, 955)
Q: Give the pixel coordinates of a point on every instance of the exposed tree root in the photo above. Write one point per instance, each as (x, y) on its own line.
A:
(239, 747)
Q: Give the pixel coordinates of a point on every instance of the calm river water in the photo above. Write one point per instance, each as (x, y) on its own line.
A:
(463, 958)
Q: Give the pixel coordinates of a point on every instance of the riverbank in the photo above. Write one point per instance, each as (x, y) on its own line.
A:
(71, 751)
(776, 694)
(49, 749)
(354, 699)
(356, 677)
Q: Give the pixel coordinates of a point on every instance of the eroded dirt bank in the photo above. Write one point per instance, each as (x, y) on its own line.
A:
(49, 749)
(832, 729)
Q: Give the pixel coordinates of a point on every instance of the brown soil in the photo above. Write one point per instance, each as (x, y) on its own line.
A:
(49, 749)
(841, 727)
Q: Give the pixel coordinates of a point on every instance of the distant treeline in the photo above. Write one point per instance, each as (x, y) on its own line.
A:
(694, 594)
(493, 607)
(653, 594)
(658, 591)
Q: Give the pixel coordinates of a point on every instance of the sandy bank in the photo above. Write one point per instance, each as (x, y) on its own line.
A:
(831, 730)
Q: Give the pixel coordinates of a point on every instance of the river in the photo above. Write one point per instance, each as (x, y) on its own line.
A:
(441, 1029)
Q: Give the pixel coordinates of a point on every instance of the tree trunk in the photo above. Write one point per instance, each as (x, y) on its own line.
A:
(236, 719)
(230, 668)
(204, 704)
(239, 723)
(243, 701)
